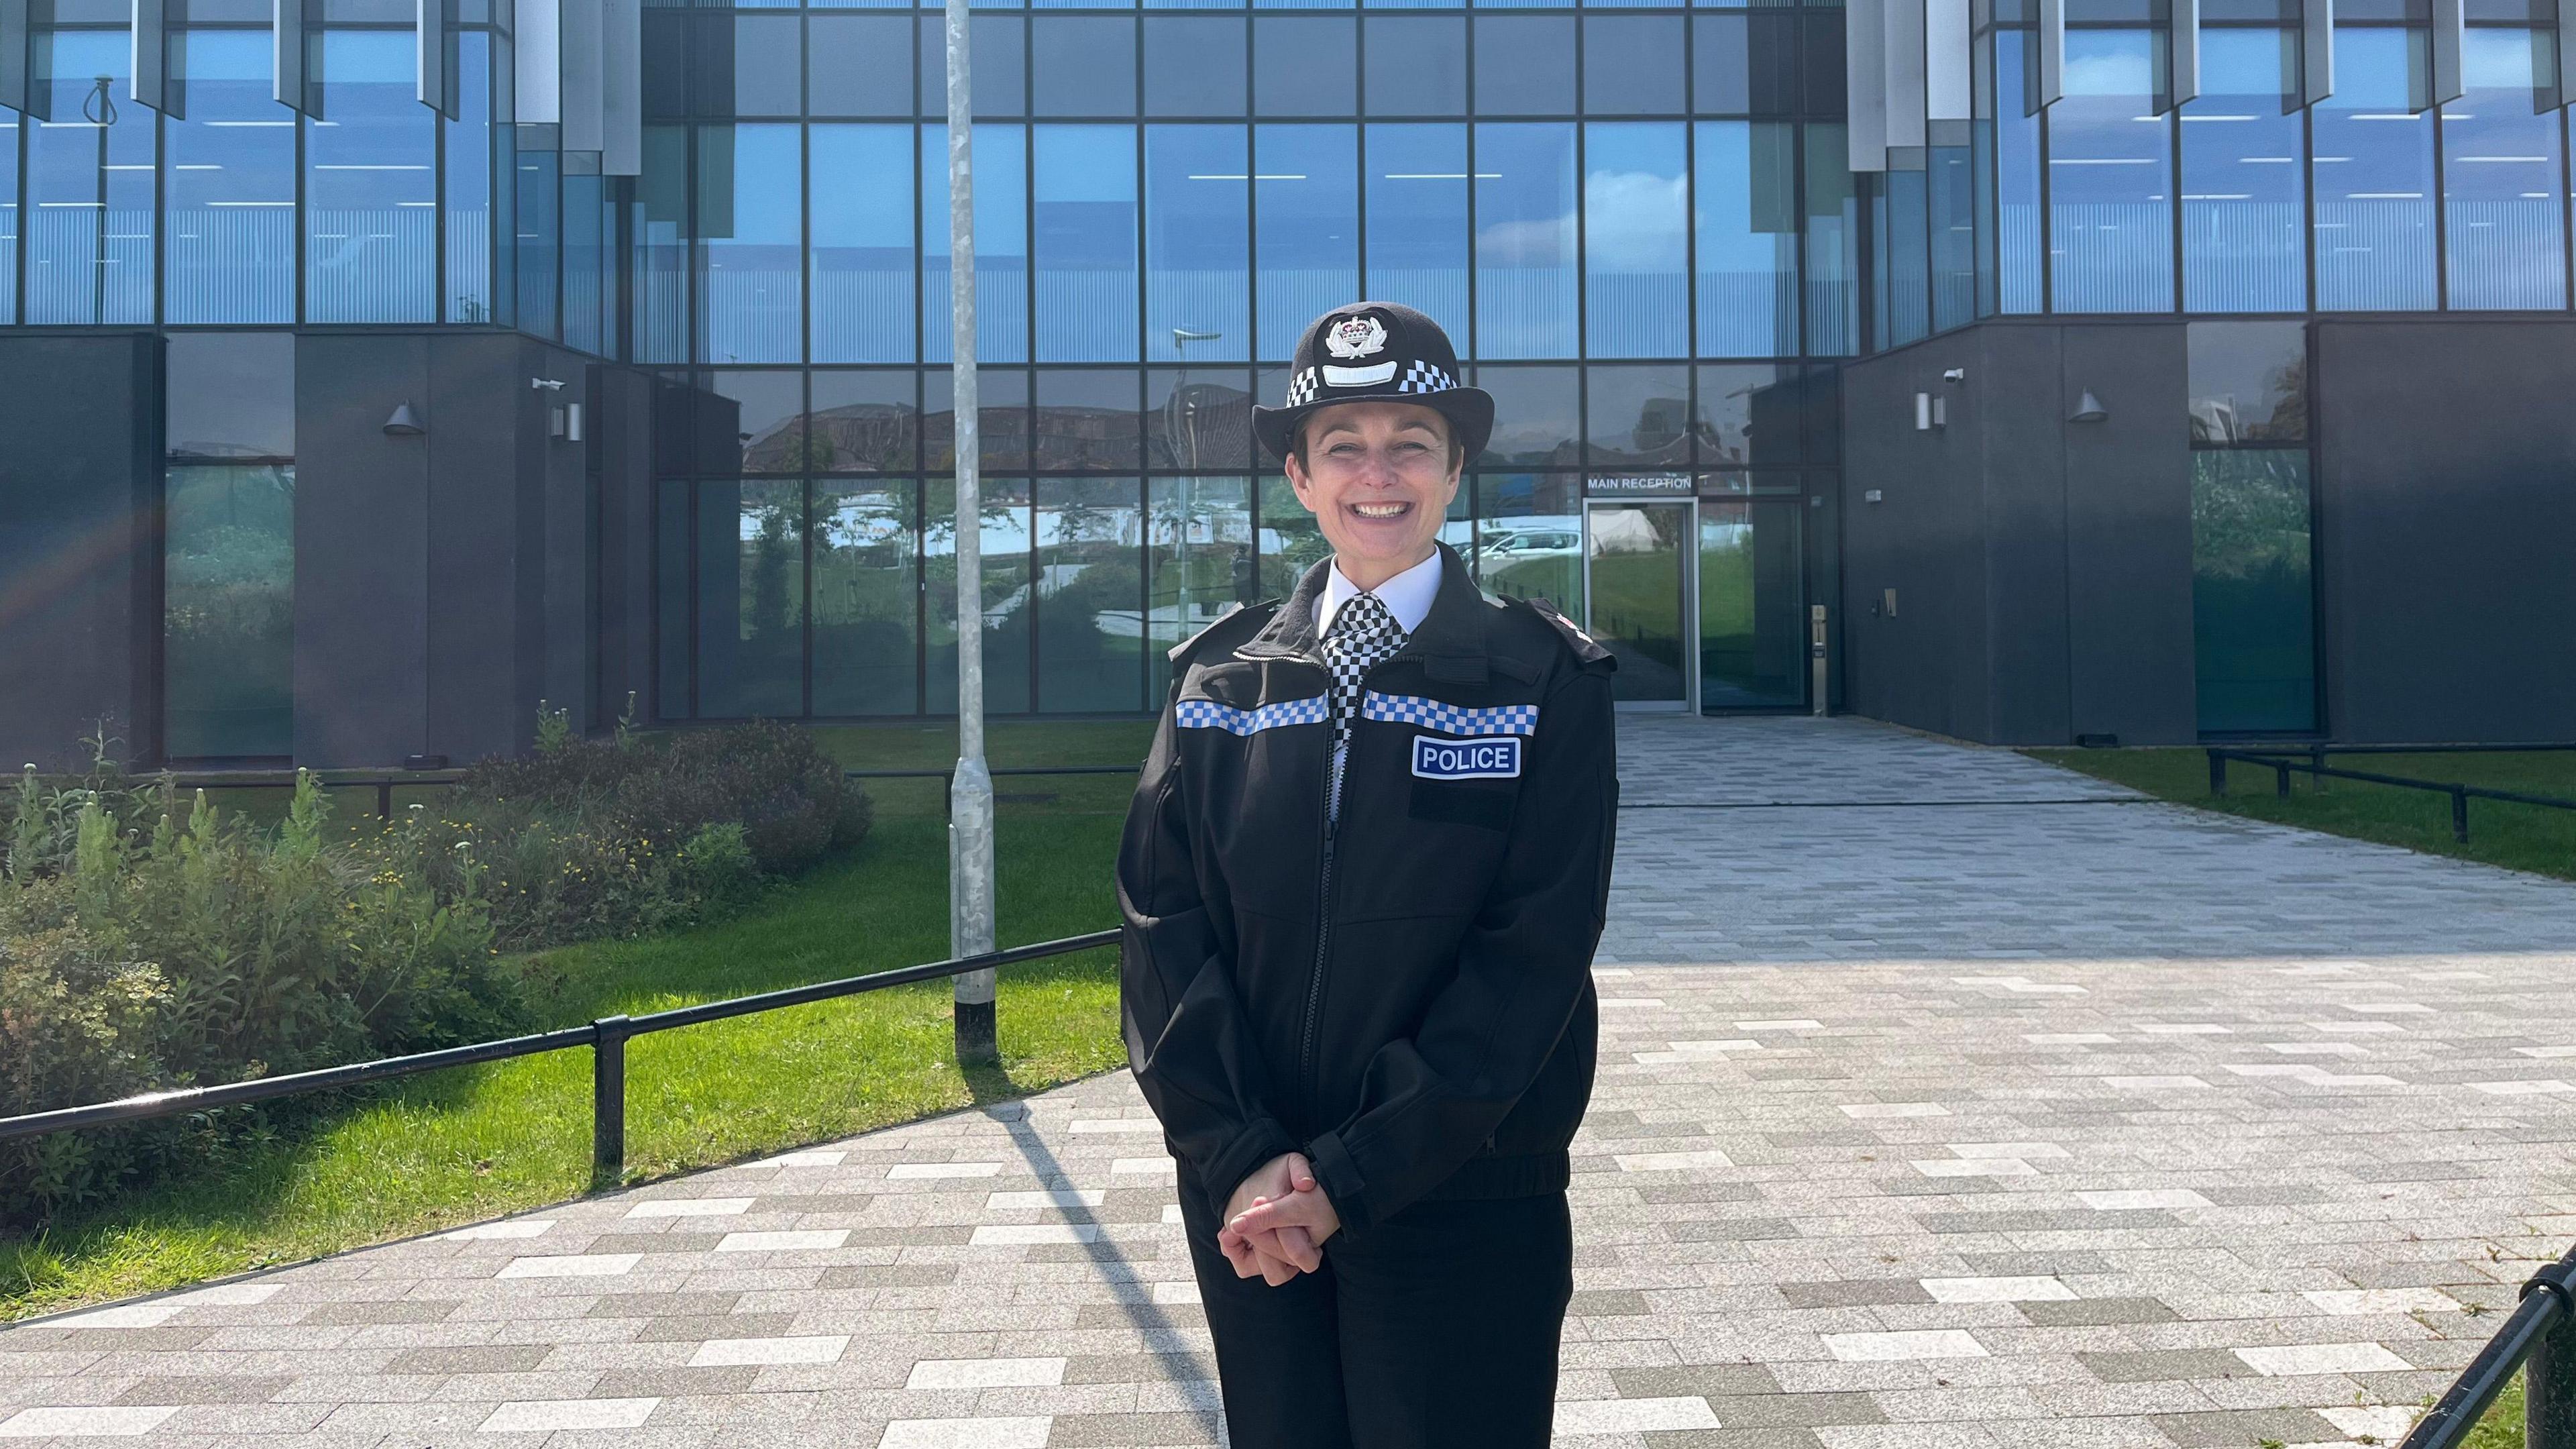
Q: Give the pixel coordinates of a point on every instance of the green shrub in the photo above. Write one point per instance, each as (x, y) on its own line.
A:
(142, 953)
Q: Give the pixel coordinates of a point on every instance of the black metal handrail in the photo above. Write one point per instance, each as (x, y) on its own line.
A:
(2281, 763)
(606, 1037)
(2539, 1337)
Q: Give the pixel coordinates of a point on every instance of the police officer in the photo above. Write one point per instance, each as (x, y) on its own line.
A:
(1362, 881)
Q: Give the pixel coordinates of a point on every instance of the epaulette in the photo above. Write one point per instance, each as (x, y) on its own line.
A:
(1585, 647)
(1232, 619)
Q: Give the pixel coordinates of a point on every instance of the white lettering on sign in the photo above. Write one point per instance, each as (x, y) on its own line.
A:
(1438, 759)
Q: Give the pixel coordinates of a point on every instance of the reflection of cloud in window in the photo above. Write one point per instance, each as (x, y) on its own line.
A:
(1638, 221)
(1527, 243)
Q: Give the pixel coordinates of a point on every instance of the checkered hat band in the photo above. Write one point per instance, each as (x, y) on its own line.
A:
(1207, 714)
(1418, 377)
(1450, 719)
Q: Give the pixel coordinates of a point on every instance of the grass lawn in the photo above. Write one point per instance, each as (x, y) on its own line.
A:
(2502, 1428)
(2522, 837)
(458, 1146)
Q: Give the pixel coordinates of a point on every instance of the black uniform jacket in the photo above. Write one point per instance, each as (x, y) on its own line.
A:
(1407, 998)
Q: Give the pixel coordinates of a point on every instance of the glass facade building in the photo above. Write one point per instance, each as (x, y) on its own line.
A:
(1642, 224)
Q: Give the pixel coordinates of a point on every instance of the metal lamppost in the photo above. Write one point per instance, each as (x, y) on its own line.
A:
(970, 797)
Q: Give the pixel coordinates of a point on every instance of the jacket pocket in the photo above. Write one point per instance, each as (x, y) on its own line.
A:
(1458, 804)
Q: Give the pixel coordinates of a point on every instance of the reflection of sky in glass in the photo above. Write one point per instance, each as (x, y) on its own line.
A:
(861, 258)
(2017, 258)
(2374, 177)
(1636, 208)
(88, 263)
(1197, 237)
(1525, 244)
(1001, 244)
(1417, 234)
(2500, 179)
(2244, 199)
(230, 192)
(2110, 179)
(1306, 184)
(1083, 234)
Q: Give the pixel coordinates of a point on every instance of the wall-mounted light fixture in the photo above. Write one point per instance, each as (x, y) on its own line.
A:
(1873, 496)
(2089, 409)
(404, 423)
(1923, 412)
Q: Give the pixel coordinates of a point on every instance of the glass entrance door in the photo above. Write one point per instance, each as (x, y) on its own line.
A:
(1637, 567)
(1752, 603)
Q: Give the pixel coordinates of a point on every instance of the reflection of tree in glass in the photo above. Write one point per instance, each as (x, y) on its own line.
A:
(769, 574)
(2249, 513)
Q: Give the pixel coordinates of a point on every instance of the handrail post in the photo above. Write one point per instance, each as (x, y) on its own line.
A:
(385, 800)
(2459, 814)
(608, 1102)
(2549, 1388)
(2281, 780)
(2317, 759)
(2218, 772)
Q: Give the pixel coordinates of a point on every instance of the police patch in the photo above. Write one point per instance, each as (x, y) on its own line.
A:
(1487, 759)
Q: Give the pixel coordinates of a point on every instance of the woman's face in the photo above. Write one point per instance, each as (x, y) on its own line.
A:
(1378, 478)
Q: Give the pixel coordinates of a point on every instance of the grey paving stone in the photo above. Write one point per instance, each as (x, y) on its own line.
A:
(2061, 1012)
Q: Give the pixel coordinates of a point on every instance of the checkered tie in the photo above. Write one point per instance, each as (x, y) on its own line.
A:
(1363, 633)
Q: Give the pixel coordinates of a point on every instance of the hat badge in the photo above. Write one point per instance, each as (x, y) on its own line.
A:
(1355, 337)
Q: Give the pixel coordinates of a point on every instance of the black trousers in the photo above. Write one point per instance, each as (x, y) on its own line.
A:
(1436, 1329)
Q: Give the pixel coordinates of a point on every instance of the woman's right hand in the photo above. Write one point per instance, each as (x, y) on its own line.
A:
(1273, 1257)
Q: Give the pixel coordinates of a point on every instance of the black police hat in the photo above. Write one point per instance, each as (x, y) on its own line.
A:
(1376, 352)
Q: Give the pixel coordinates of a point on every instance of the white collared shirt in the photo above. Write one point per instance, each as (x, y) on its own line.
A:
(1407, 596)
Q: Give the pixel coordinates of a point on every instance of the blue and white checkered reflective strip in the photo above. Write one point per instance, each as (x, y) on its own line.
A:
(1207, 714)
(1450, 719)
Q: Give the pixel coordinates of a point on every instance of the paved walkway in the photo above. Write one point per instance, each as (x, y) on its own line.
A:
(1930, 1122)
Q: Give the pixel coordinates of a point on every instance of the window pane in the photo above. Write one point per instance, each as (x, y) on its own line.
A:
(1001, 245)
(1901, 275)
(1752, 603)
(584, 298)
(2244, 189)
(1086, 65)
(759, 77)
(1537, 415)
(1525, 65)
(1091, 644)
(88, 263)
(1748, 413)
(1085, 228)
(1748, 239)
(661, 228)
(1001, 66)
(2501, 175)
(1417, 65)
(1823, 77)
(1004, 539)
(1325, 82)
(1417, 210)
(2249, 382)
(1529, 537)
(1525, 282)
(1308, 217)
(1200, 552)
(2018, 273)
(371, 231)
(1086, 422)
(751, 599)
(230, 395)
(1201, 418)
(867, 598)
(1197, 244)
(466, 185)
(1632, 65)
(9, 128)
(751, 302)
(2253, 605)
(1001, 418)
(228, 611)
(2374, 177)
(1833, 245)
(862, 244)
(230, 194)
(1194, 65)
(1290, 541)
(1951, 197)
(865, 422)
(537, 176)
(2110, 179)
(861, 65)
(1637, 240)
(752, 422)
(1639, 417)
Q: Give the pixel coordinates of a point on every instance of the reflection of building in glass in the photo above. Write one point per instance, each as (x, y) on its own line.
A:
(680, 347)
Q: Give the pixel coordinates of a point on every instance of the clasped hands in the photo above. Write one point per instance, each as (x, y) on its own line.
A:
(1277, 1220)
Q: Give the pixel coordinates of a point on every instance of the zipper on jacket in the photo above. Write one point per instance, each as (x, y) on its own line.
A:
(1323, 906)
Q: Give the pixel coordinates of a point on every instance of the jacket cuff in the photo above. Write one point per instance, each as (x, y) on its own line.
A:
(1340, 1179)
(1260, 1140)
